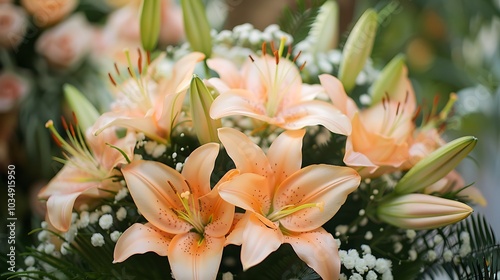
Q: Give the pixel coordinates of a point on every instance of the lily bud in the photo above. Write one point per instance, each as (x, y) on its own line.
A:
(85, 112)
(196, 26)
(391, 78)
(422, 211)
(201, 100)
(358, 48)
(324, 29)
(436, 165)
(150, 23)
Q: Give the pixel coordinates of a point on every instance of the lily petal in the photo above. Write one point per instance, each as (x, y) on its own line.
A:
(237, 102)
(59, 209)
(318, 250)
(285, 154)
(192, 257)
(247, 156)
(139, 239)
(198, 168)
(337, 94)
(148, 184)
(258, 241)
(315, 112)
(182, 73)
(121, 119)
(326, 185)
(249, 191)
(227, 71)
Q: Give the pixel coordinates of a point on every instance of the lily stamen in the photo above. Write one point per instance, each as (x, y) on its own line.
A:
(290, 209)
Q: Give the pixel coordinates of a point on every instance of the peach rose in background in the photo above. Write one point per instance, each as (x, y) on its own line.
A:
(48, 12)
(172, 26)
(13, 89)
(66, 44)
(13, 25)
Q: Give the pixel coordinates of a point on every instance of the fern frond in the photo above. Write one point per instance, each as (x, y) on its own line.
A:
(297, 22)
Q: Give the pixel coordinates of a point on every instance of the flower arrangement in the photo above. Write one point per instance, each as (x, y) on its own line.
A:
(246, 154)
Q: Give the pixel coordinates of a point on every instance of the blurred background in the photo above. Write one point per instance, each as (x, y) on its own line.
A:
(450, 46)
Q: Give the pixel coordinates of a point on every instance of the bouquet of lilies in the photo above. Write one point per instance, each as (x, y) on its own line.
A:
(243, 153)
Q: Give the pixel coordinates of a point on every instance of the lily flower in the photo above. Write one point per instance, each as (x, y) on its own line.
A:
(89, 171)
(270, 89)
(150, 104)
(381, 133)
(284, 203)
(187, 221)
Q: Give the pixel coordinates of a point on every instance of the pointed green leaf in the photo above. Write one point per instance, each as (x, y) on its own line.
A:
(436, 165)
(85, 112)
(150, 23)
(358, 48)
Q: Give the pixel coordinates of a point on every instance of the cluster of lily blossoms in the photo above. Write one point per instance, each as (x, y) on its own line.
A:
(268, 198)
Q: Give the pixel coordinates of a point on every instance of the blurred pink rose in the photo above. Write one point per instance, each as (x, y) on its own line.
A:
(66, 44)
(48, 12)
(13, 89)
(13, 25)
(172, 26)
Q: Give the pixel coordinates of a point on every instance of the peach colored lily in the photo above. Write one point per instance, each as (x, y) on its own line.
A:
(270, 89)
(187, 220)
(88, 173)
(381, 133)
(284, 203)
(151, 104)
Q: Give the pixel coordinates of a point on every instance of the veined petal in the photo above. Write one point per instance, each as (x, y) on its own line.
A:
(337, 94)
(249, 191)
(139, 239)
(59, 209)
(182, 73)
(258, 241)
(221, 212)
(237, 102)
(227, 71)
(145, 124)
(193, 258)
(247, 156)
(107, 156)
(198, 168)
(327, 185)
(315, 112)
(169, 113)
(148, 184)
(318, 250)
(285, 154)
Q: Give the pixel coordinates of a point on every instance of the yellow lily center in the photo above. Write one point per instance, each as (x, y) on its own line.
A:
(290, 209)
(276, 80)
(191, 212)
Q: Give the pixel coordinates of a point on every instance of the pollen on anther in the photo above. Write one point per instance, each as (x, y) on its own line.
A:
(111, 79)
(251, 58)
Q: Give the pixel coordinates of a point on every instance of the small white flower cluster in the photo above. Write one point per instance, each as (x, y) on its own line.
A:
(151, 147)
(366, 266)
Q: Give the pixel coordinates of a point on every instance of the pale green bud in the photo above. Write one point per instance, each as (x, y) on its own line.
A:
(390, 79)
(196, 26)
(358, 48)
(422, 211)
(324, 30)
(150, 23)
(201, 100)
(85, 112)
(436, 165)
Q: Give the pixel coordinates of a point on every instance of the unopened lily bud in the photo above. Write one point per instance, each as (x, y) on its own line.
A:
(390, 80)
(422, 211)
(196, 26)
(436, 165)
(358, 48)
(85, 112)
(324, 29)
(150, 23)
(201, 99)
